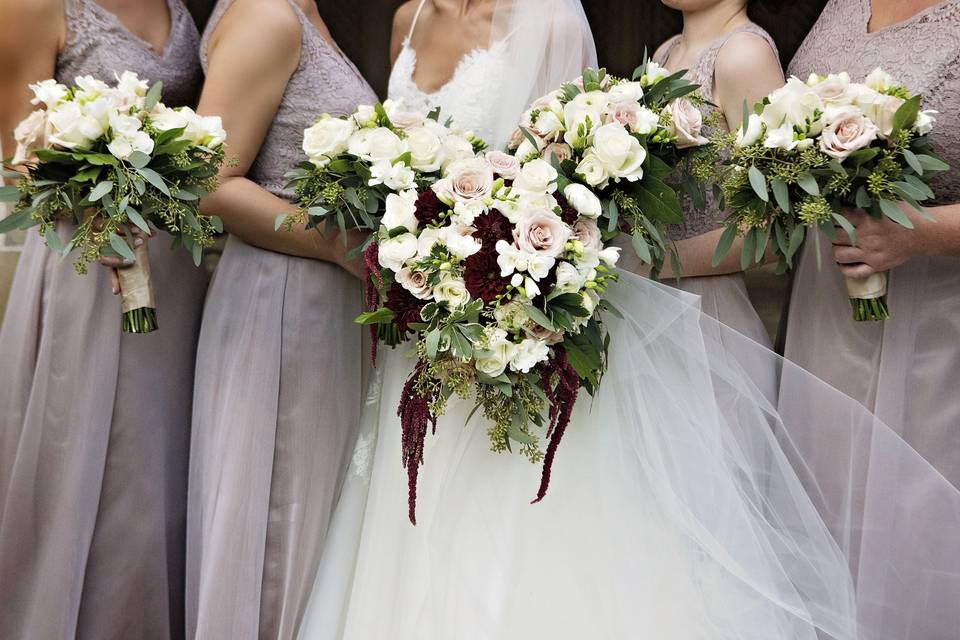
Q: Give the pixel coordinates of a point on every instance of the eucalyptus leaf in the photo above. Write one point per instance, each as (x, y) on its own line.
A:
(726, 241)
(137, 219)
(781, 193)
(119, 245)
(809, 184)
(758, 182)
(280, 219)
(155, 179)
(9, 193)
(846, 226)
(138, 159)
(100, 190)
(640, 247)
(153, 96)
(895, 213)
(912, 160)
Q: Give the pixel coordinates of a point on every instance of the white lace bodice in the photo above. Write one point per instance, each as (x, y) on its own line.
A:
(467, 97)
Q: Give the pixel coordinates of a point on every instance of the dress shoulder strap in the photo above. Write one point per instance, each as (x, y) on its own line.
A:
(416, 16)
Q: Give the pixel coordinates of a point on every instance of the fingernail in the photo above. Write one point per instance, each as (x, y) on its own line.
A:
(138, 242)
(127, 263)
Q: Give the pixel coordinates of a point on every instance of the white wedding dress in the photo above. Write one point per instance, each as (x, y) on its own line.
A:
(674, 512)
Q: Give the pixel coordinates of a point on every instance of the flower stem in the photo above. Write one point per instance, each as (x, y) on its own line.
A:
(142, 320)
(873, 309)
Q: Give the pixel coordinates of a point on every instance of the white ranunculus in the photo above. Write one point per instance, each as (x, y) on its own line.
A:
(426, 150)
(537, 176)
(394, 252)
(847, 134)
(530, 352)
(780, 138)
(511, 316)
(568, 278)
(794, 104)
(451, 290)
(374, 145)
(504, 165)
(396, 176)
(416, 282)
(880, 80)
(456, 147)
(621, 154)
(625, 92)
(49, 92)
(592, 170)
(527, 151)
(753, 132)
(70, 128)
(459, 241)
(30, 135)
(400, 211)
(493, 359)
(326, 139)
(123, 146)
(426, 240)
(583, 200)
(925, 121)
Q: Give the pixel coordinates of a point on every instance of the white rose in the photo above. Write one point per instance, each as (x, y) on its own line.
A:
(587, 233)
(625, 92)
(583, 200)
(881, 109)
(880, 80)
(493, 360)
(466, 181)
(621, 154)
(374, 145)
(846, 135)
(834, 89)
(416, 283)
(795, 104)
(326, 139)
(593, 171)
(397, 177)
(49, 92)
(394, 252)
(456, 147)
(504, 165)
(686, 122)
(568, 278)
(30, 135)
(530, 352)
(560, 151)
(400, 211)
(537, 176)
(753, 132)
(425, 149)
(925, 121)
(451, 290)
(70, 128)
(781, 138)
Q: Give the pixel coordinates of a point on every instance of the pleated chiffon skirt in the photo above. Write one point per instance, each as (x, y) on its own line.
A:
(277, 403)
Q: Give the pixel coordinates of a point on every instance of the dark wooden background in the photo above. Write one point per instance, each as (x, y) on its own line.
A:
(622, 28)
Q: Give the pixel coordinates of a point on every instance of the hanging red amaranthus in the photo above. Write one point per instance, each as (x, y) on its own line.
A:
(371, 257)
(562, 397)
(416, 420)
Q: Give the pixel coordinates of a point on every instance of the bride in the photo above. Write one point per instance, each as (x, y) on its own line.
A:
(674, 512)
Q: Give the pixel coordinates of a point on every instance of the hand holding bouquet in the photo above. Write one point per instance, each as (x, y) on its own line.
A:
(354, 163)
(106, 157)
(500, 280)
(813, 148)
(616, 143)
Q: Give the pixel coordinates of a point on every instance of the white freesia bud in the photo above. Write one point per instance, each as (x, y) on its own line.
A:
(49, 92)
(583, 200)
(654, 74)
(610, 256)
(925, 122)
(753, 132)
(400, 211)
(395, 176)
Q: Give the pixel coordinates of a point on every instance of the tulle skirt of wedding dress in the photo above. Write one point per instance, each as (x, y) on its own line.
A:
(681, 508)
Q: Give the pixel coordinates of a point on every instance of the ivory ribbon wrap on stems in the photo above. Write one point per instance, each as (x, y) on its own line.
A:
(869, 288)
(136, 286)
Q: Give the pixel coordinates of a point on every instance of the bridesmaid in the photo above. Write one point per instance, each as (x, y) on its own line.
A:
(94, 423)
(733, 60)
(904, 369)
(278, 388)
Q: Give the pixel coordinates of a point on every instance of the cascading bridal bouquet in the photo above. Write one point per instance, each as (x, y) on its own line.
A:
(106, 157)
(355, 162)
(622, 140)
(812, 148)
(500, 281)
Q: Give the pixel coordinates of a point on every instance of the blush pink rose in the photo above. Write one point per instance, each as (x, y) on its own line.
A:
(686, 122)
(542, 232)
(847, 134)
(586, 231)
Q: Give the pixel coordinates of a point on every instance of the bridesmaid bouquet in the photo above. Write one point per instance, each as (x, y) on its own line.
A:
(354, 163)
(812, 148)
(500, 280)
(104, 157)
(621, 140)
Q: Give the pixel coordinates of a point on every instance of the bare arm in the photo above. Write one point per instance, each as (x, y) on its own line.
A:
(253, 52)
(30, 39)
(746, 71)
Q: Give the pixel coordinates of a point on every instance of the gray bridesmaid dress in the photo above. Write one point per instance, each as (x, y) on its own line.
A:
(723, 297)
(278, 393)
(94, 423)
(904, 369)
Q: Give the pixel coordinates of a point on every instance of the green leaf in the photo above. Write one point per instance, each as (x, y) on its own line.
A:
(137, 219)
(155, 179)
(280, 219)
(912, 160)
(9, 193)
(186, 196)
(906, 115)
(745, 122)
(846, 226)
(759, 183)
(613, 215)
(862, 156)
(781, 193)
(139, 159)
(100, 190)
(796, 240)
(640, 247)
(87, 175)
(862, 198)
(657, 200)
(197, 252)
(931, 163)
(433, 343)
(121, 247)
(15, 220)
(763, 238)
(539, 317)
(460, 346)
(809, 184)
(380, 316)
(895, 213)
(749, 246)
(53, 240)
(217, 223)
(153, 96)
(726, 241)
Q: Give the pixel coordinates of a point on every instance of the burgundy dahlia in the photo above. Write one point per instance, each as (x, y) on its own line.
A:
(482, 275)
(429, 207)
(405, 307)
(492, 226)
(567, 213)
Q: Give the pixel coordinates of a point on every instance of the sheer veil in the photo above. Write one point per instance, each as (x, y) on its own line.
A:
(546, 42)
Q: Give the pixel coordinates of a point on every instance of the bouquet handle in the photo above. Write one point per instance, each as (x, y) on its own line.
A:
(868, 297)
(136, 293)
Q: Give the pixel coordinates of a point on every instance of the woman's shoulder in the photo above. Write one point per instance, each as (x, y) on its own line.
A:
(746, 50)
(403, 17)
